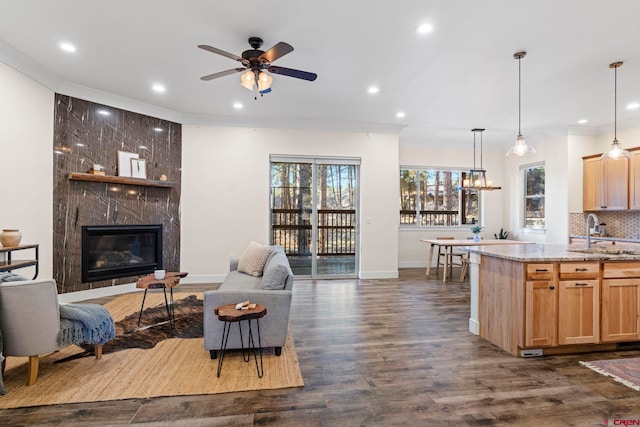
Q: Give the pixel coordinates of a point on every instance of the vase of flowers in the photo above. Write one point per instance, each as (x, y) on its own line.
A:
(476, 233)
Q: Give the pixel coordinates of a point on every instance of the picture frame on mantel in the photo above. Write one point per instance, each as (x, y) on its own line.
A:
(124, 162)
(139, 168)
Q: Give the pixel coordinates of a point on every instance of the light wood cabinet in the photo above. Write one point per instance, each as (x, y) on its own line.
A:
(541, 313)
(564, 308)
(605, 184)
(634, 180)
(579, 311)
(621, 302)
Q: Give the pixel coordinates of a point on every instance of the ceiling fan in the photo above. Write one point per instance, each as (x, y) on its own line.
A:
(254, 61)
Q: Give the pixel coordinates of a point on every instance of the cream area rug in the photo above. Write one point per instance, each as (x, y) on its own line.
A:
(176, 366)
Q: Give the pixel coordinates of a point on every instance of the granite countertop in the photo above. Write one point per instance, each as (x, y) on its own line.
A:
(607, 238)
(557, 252)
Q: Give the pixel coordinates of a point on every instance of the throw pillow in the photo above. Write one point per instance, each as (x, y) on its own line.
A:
(253, 259)
(274, 278)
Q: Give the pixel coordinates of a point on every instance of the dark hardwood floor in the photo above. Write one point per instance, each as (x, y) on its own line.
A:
(383, 353)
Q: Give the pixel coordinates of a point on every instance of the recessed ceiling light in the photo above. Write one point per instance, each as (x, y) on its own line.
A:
(425, 29)
(400, 114)
(633, 106)
(582, 121)
(158, 129)
(373, 89)
(237, 105)
(158, 88)
(67, 47)
(104, 113)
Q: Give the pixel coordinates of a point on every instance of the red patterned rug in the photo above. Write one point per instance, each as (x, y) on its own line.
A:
(625, 371)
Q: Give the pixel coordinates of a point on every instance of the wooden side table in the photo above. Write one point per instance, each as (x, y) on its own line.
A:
(171, 280)
(228, 314)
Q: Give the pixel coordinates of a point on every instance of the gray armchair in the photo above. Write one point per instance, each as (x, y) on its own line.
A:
(30, 321)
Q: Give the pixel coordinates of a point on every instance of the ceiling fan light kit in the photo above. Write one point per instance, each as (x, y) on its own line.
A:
(616, 152)
(254, 63)
(520, 148)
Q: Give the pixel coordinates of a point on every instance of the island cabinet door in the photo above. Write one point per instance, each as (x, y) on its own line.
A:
(540, 313)
(620, 310)
(578, 312)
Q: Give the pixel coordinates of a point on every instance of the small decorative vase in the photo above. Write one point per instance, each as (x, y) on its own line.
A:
(476, 237)
(10, 237)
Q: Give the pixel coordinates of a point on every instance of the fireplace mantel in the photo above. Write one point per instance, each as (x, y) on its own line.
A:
(120, 180)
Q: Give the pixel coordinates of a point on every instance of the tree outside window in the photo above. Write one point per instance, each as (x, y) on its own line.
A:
(534, 215)
(431, 198)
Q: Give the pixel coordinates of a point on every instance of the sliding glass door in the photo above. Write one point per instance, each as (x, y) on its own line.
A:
(314, 211)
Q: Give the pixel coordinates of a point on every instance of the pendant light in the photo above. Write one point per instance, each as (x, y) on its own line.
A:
(616, 152)
(520, 148)
(477, 178)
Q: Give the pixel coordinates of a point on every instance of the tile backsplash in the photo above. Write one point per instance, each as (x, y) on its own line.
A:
(619, 224)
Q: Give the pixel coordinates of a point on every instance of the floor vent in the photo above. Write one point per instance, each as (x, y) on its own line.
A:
(532, 352)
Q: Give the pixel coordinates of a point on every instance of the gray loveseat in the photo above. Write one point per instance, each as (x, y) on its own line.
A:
(238, 287)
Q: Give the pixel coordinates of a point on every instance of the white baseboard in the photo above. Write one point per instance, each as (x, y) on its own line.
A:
(379, 274)
(203, 278)
(412, 264)
(107, 291)
(474, 327)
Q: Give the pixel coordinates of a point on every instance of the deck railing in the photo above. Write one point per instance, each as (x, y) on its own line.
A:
(291, 229)
(430, 218)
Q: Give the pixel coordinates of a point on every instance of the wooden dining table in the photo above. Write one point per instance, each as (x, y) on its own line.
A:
(449, 244)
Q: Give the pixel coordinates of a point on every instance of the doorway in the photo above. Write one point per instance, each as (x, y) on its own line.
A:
(314, 214)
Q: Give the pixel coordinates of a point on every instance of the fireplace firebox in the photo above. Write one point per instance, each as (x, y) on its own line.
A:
(112, 251)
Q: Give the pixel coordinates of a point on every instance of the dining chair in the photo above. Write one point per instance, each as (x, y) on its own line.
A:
(444, 252)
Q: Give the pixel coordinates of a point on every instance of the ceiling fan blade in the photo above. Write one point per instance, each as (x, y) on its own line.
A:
(279, 50)
(220, 52)
(305, 75)
(222, 74)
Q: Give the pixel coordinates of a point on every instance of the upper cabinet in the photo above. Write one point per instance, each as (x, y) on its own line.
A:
(634, 180)
(606, 184)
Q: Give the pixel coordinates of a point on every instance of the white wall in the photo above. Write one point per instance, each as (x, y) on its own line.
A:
(225, 192)
(412, 252)
(554, 153)
(578, 146)
(26, 164)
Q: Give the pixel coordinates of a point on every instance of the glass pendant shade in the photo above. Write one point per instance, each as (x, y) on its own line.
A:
(616, 151)
(247, 80)
(520, 148)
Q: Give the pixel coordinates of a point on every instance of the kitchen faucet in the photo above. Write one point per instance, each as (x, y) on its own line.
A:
(587, 243)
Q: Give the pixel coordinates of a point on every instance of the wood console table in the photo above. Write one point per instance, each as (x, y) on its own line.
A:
(9, 264)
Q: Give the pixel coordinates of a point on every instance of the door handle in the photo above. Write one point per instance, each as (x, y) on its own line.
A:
(541, 270)
(582, 284)
(581, 269)
(552, 287)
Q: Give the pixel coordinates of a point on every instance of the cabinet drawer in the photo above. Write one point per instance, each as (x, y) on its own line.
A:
(614, 270)
(578, 270)
(539, 271)
(567, 284)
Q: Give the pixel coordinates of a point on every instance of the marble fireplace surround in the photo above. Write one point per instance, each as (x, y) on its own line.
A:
(86, 133)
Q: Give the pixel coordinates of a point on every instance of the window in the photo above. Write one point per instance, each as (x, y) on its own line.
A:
(534, 196)
(430, 198)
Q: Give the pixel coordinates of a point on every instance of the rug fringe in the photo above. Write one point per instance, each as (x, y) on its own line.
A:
(609, 374)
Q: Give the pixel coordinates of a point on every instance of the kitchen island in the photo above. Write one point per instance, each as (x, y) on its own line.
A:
(546, 299)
